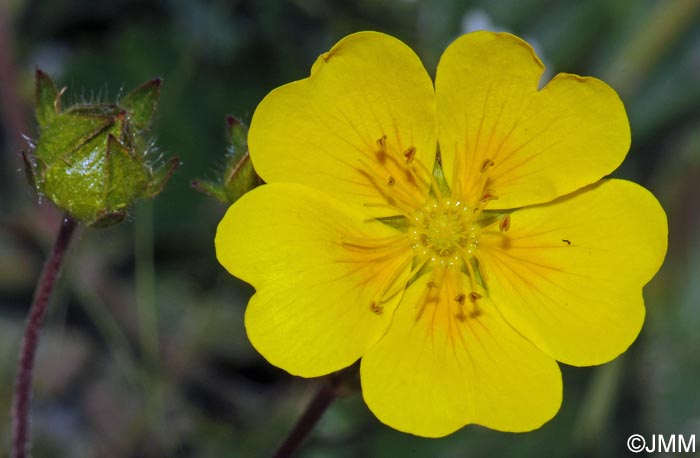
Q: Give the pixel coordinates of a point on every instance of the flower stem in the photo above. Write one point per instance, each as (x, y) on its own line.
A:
(42, 294)
(313, 413)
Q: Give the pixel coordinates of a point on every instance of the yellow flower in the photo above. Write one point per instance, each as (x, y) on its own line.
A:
(459, 294)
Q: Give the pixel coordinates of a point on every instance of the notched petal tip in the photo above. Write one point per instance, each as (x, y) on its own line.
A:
(433, 373)
(497, 43)
(348, 42)
(322, 131)
(545, 142)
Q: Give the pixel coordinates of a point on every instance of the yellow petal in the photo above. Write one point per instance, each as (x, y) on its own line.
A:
(317, 266)
(325, 131)
(499, 134)
(433, 373)
(568, 275)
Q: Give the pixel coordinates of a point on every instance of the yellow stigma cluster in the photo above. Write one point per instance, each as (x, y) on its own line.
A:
(444, 230)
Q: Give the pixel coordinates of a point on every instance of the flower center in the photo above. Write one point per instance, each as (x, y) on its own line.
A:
(444, 230)
(443, 233)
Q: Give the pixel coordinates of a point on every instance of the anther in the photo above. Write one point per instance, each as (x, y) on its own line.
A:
(431, 284)
(410, 154)
(381, 153)
(488, 196)
(486, 164)
(375, 308)
(505, 224)
(460, 298)
(391, 181)
(474, 296)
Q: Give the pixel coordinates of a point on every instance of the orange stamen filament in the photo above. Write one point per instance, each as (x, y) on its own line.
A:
(396, 206)
(444, 233)
(388, 185)
(385, 291)
(432, 181)
(472, 280)
(431, 288)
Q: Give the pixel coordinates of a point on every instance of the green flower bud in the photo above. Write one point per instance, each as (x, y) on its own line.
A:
(90, 159)
(238, 176)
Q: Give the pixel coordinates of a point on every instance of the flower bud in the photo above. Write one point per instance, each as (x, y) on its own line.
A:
(90, 159)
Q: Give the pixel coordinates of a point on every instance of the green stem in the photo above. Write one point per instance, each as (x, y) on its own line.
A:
(42, 295)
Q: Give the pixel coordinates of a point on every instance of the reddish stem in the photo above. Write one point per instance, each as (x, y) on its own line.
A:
(313, 413)
(42, 294)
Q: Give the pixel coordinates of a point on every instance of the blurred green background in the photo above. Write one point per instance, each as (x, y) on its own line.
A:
(144, 352)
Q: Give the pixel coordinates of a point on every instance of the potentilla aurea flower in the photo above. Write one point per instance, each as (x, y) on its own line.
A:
(459, 280)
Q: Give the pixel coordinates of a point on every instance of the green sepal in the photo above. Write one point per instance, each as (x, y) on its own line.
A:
(439, 176)
(48, 99)
(236, 135)
(239, 175)
(161, 177)
(126, 177)
(212, 189)
(240, 178)
(142, 102)
(68, 133)
(105, 219)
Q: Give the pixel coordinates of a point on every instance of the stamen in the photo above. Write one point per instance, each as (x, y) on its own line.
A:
(410, 154)
(397, 192)
(505, 224)
(482, 271)
(488, 196)
(473, 295)
(381, 152)
(412, 192)
(481, 205)
(460, 298)
(396, 206)
(488, 163)
(411, 275)
(372, 243)
(430, 288)
(387, 293)
(374, 250)
(431, 179)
